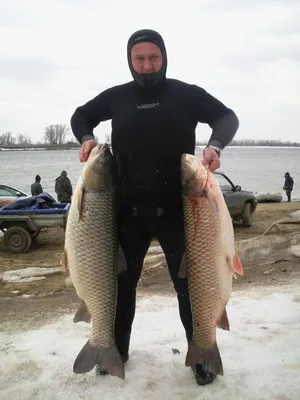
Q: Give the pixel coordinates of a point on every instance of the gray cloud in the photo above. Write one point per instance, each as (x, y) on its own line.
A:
(264, 53)
(285, 28)
(31, 71)
(11, 17)
(59, 54)
(217, 6)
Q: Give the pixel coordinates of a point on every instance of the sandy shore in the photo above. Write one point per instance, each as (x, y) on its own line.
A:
(50, 298)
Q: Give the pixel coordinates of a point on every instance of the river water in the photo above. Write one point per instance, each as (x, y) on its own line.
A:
(259, 169)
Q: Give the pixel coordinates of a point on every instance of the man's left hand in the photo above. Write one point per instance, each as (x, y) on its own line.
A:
(211, 158)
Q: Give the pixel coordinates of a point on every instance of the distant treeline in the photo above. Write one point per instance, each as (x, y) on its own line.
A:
(53, 135)
(65, 146)
(55, 139)
(252, 142)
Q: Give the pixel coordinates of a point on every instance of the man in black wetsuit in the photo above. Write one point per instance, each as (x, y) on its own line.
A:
(153, 123)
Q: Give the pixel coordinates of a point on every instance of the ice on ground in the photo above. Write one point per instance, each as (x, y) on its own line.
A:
(155, 250)
(27, 274)
(295, 250)
(261, 355)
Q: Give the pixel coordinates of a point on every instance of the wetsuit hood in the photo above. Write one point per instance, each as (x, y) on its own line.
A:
(148, 35)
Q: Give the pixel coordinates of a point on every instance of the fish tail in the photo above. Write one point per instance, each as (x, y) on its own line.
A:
(108, 359)
(211, 358)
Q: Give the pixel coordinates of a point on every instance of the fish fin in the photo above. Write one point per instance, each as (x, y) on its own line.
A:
(64, 261)
(82, 314)
(235, 265)
(108, 359)
(183, 268)
(122, 262)
(212, 200)
(80, 195)
(211, 358)
(223, 322)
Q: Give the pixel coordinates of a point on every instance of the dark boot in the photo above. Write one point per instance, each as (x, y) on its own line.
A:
(123, 347)
(203, 374)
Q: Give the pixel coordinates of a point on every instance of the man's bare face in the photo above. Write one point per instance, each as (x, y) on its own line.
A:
(146, 58)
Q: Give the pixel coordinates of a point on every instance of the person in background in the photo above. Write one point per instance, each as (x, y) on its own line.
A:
(36, 187)
(288, 185)
(153, 122)
(63, 188)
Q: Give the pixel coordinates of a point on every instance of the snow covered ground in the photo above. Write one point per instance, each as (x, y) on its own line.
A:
(27, 274)
(261, 355)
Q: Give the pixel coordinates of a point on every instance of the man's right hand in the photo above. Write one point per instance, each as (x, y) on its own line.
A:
(85, 149)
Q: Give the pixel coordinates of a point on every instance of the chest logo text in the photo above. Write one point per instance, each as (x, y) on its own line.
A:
(147, 106)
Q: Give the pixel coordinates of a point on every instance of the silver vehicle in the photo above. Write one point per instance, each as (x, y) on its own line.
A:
(240, 203)
(8, 194)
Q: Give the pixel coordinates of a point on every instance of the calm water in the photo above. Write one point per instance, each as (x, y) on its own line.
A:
(256, 169)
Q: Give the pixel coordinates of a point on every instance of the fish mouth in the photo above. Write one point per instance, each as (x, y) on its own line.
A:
(104, 146)
(100, 149)
(184, 157)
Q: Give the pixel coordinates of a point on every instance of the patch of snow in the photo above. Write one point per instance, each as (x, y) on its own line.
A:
(27, 274)
(15, 291)
(155, 249)
(295, 215)
(261, 355)
(295, 250)
(16, 279)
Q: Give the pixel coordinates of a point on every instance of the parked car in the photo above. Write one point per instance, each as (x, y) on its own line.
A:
(8, 194)
(240, 203)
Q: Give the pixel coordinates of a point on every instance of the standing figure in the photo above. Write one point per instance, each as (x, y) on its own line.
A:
(36, 187)
(288, 185)
(63, 188)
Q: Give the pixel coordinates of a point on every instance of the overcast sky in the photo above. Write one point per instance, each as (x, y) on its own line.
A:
(57, 54)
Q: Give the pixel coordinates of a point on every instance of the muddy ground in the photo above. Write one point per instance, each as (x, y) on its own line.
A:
(35, 302)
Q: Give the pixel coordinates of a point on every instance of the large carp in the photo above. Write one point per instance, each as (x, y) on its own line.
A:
(93, 256)
(210, 260)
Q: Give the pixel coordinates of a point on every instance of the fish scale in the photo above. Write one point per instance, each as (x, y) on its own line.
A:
(96, 277)
(210, 260)
(201, 255)
(93, 257)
